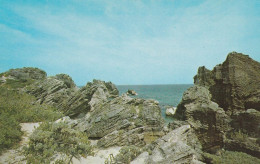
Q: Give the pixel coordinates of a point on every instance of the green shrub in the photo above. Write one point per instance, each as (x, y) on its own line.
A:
(239, 135)
(10, 131)
(56, 141)
(231, 157)
(23, 107)
(17, 108)
(127, 154)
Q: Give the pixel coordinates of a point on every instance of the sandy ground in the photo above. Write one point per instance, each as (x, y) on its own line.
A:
(13, 155)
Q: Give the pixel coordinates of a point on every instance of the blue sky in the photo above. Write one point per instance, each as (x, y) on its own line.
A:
(126, 42)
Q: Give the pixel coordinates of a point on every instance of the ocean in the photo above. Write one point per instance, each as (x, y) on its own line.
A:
(167, 95)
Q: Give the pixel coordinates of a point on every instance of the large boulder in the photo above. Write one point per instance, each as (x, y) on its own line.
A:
(178, 146)
(208, 120)
(124, 121)
(234, 84)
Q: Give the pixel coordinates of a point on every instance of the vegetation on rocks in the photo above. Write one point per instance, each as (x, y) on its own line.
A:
(17, 108)
(231, 157)
(57, 141)
(127, 154)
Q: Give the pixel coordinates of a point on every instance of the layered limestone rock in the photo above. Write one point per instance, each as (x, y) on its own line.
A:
(52, 90)
(61, 92)
(124, 121)
(205, 116)
(234, 84)
(178, 146)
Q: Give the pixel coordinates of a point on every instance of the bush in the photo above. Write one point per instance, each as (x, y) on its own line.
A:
(127, 154)
(231, 157)
(57, 142)
(10, 131)
(16, 108)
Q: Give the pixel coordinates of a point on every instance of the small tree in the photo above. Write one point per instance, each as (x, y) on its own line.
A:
(57, 142)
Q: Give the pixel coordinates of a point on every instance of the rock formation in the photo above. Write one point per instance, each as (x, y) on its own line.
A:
(178, 146)
(124, 121)
(170, 111)
(205, 116)
(131, 92)
(234, 84)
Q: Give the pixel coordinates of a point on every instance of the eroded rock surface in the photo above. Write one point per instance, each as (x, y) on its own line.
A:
(178, 146)
(124, 121)
(205, 116)
(234, 84)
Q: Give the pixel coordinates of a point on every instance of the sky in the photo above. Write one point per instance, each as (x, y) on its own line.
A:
(126, 41)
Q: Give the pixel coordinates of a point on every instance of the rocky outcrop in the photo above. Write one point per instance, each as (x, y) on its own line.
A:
(61, 92)
(124, 121)
(52, 90)
(234, 84)
(131, 92)
(178, 146)
(208, 120)
(89, 96)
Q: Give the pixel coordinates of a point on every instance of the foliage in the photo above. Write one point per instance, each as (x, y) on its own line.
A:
(16, 84)
(16, 108)
(57, 141)
(231, 157)
(239, 135)
(10, 131)
(127, 154)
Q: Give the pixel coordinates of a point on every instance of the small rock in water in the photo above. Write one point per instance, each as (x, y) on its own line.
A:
(170, 111)
(131, 92)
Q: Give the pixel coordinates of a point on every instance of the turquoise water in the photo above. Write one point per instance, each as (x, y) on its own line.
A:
(167, 95)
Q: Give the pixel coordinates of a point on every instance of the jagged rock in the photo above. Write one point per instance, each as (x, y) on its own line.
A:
(170, 111)
(178, 146)
(207, 119)
(124, 121)
(234, 84)
(131, 92)
(52, 90)
(89, 96)
(61, 92)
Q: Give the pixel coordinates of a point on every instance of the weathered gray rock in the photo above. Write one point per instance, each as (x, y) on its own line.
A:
(131, 92)
(170, 111)
(178, 146)
(234, 84)
(52, 90)
(61, 92)
(207, 119)
(89, 96)
(124, 121)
